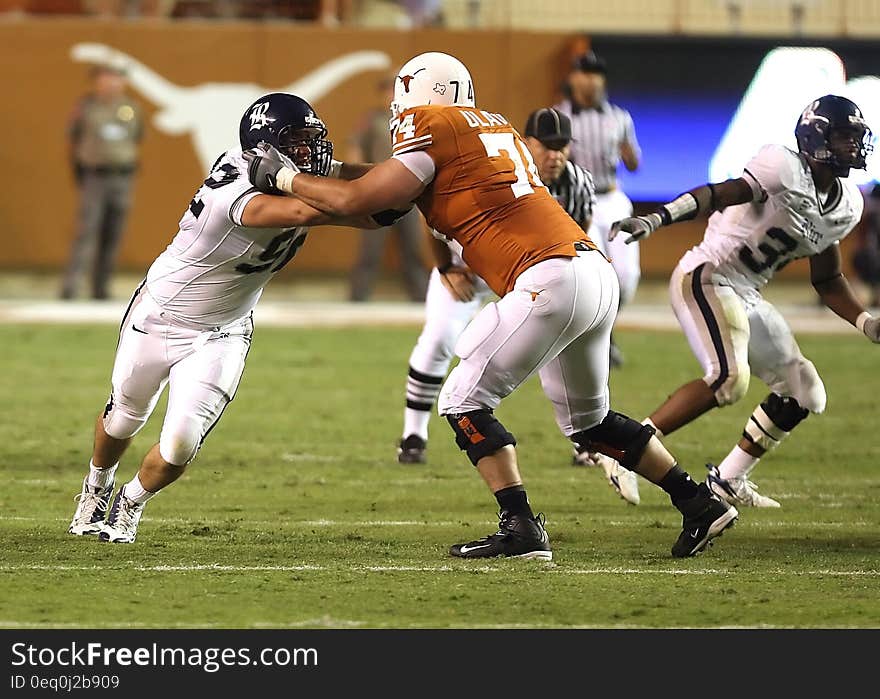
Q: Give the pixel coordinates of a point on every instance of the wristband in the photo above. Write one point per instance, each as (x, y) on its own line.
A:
(681, 208)
(863, 318)
(284, 179)
(335, 168)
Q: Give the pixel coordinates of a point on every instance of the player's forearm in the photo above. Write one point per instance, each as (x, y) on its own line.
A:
(351, 171)
(338, 198)
(441, 253)
(837, 294)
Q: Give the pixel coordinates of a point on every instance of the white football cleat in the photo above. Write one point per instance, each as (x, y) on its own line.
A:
(737, 491)
(90, 510)
(122, 522)
(624, 481)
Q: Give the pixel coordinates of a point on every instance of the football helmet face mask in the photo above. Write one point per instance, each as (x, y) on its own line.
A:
(833, 130)
(432, 78)
(288, 123)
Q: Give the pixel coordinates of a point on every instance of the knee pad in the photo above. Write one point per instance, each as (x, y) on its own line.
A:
(733, 388)
(773, 420)
(617, 436)
(120, 422)
(479, 434)
(178, 445)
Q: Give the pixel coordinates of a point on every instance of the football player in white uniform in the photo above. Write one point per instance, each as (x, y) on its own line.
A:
(189, 324)
(786, 205)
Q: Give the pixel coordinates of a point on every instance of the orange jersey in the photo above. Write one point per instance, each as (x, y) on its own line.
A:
(486, 193)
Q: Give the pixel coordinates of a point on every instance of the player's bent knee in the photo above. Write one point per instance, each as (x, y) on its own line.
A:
(179, 446)
(121, 422)
(810, 391)
(734, 387)
(479, 434)
(617, 436)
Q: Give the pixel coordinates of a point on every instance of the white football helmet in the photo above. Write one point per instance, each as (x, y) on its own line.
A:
(432, 78)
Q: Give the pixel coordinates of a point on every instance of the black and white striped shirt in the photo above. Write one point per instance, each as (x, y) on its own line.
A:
(597, 133)
(575, 192)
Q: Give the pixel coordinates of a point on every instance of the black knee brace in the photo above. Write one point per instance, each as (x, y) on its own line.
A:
(786, 413)
(479, 434)
(617, 436)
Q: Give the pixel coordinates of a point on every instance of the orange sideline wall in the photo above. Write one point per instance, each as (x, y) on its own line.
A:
(216, 70)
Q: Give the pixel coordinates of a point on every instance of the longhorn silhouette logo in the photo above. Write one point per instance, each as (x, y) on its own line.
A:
(210, 112)
(407, 79)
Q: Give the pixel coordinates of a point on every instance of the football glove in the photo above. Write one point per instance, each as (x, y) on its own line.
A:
(638, 227)
(871, 328)
(264, 164)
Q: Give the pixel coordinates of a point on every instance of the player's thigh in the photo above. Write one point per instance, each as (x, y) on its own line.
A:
(200, 387)
(576, 381)
(715, 323)
(141, 365)
(776, 359)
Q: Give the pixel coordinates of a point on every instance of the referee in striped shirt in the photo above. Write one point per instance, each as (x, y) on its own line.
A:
(548, 136)
(604, 136)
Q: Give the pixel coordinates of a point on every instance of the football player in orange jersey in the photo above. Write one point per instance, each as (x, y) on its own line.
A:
(473, 178)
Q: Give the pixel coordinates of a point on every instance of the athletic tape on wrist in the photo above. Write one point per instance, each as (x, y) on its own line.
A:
(863, 318)
(335, 168)
(681, 208)
(284, 179)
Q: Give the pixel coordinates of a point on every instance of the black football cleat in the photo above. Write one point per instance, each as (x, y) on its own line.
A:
(412, 450)
(704, 517)
(518, 536)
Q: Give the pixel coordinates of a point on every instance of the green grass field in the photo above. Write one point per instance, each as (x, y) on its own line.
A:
(296, 514)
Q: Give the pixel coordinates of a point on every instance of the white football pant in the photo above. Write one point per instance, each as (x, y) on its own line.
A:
(202, 369)
(611, 207)
(556, 321)
(734, 332)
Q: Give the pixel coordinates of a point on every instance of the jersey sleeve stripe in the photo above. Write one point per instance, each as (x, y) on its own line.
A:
(235, 212)
(411, 141)
(409, 149)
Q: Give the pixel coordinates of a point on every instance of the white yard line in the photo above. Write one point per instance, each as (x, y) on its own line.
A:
(801, 318)
(550, 568)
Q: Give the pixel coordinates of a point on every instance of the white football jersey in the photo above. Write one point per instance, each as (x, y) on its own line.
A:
(787, 220)
(214, 271)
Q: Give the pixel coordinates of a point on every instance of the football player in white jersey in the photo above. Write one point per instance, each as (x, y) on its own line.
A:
(189, 324)
(786, 205)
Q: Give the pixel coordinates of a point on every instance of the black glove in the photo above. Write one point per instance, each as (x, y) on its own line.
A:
(264, 162)
(390, 216)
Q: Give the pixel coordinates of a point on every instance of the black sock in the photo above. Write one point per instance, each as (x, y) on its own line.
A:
(678, 484)
(514, 500)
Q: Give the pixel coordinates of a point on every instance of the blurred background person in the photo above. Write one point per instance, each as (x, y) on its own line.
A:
(603, 136)
(104, 135)
(371, 143)
(866, 258)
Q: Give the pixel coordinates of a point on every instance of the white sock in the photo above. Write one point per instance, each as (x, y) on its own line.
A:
(657, 432)
(101, 477)
(135, 491)
(416, 422)
(737, 464)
